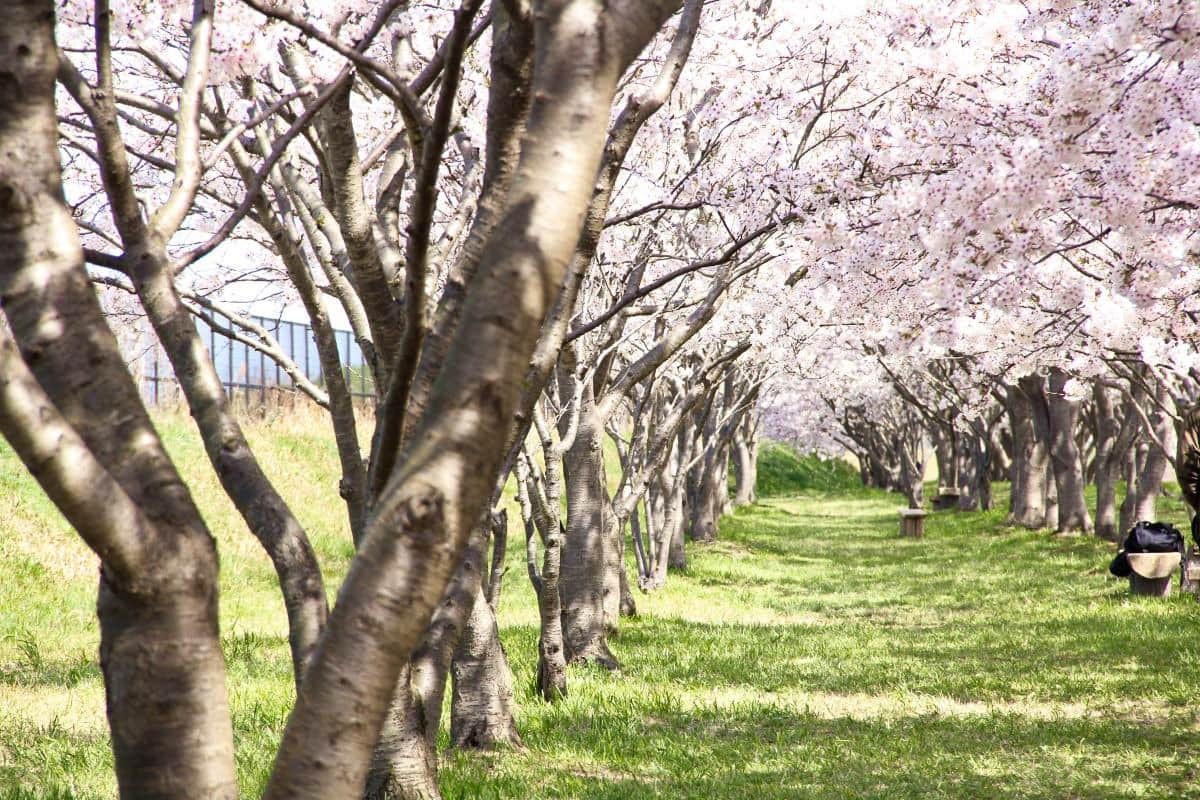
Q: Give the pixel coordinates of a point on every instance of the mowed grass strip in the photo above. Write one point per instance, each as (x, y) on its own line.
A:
(810, 653)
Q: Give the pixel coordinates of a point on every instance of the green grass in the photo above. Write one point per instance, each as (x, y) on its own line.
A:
(810, 653)
(783, 471)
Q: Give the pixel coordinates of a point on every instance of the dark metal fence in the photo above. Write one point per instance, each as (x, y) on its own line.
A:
(251, 376)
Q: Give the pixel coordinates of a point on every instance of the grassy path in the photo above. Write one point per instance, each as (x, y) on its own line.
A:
(809, 654)
(812, 654)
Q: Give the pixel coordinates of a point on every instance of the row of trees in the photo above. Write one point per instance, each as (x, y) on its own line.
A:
(551, 224)
(1024, 243)
(451, 182)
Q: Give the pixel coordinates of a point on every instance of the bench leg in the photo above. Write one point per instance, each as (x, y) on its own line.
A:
(1150, 587)
(1191, 573)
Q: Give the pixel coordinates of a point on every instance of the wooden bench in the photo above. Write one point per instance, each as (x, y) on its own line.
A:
(1153, 573)
(946, 499)
(912, 522)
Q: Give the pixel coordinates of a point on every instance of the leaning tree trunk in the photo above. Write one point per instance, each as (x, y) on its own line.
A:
(1063, 418)
(266, 513)
(404, 765)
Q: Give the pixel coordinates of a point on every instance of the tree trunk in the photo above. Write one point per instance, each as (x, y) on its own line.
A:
(708, 489)
(1063, 418)
(1051, 498)
(552, 664)
(404, 764)
(1150, 478)
(160, 652)
(482, 706)
(970, 474)
(266, 513)
(912, 468)
(614, 556)
(945, 453)
(588, 581)
(1112, 442)
(1134, 466)
(745, 466)
(1028, 503)
(675, 507)
(628, 604)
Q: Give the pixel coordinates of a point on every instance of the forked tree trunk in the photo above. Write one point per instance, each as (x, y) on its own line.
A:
(421, 525)
(69, 392)
(146, 262)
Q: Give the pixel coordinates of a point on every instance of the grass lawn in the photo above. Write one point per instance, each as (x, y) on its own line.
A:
(808, 654)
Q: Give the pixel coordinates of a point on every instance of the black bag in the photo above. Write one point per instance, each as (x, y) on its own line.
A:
(1147, 537)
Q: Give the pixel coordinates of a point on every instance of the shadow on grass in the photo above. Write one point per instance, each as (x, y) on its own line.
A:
(639, 750)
